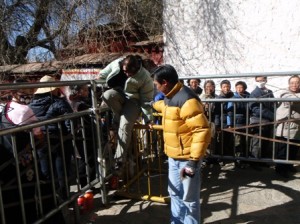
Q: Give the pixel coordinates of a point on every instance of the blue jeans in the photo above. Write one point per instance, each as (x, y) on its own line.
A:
(184, 194)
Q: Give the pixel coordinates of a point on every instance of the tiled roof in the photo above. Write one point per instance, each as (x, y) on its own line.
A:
(101, 59)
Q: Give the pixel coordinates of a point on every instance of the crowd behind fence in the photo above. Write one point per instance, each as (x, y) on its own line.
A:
(26, 196)
(247, 132)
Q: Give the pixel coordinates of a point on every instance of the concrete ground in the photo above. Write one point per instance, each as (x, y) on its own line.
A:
(228, 195)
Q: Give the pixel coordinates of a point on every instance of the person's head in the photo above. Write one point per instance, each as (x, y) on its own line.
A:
(53, 90)
(294, 84)
(225, 86)
(261, 81)
(79, 91)
(240, 87)
(194, 83)
(209, 87)
(20, 95)
(165, 78)
(131, 65)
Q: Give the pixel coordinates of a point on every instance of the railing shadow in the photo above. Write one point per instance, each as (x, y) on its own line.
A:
(232, 195)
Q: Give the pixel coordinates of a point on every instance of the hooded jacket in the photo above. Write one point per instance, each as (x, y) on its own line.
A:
(186, 129)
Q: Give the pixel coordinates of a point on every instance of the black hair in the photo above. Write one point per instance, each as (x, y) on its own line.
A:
(209, 81)
(133, 63)
(165, 72)
(188, 81)
(242, 83)
(74, 90)
(265, 77)
(225, 81)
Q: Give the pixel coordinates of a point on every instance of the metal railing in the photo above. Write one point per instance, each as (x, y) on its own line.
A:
(41, 196)
(146, 151)
(246, 130)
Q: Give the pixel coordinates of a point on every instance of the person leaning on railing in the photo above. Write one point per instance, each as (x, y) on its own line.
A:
(239, 119)
(222, 120)
(261, 113)
(80, 100)
(288, 115)
(131, 88)
(17, 113)
(47, 103)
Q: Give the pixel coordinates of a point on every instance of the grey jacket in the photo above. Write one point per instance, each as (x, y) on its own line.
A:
(288, 110)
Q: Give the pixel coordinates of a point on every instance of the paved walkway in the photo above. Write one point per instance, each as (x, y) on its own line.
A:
(228, 196)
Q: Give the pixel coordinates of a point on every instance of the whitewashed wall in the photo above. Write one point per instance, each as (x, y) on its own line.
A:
(232, 36)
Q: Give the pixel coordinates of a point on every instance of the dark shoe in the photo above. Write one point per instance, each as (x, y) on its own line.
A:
(292, 169)
(282, 172)
(255, 166)
(241, 164)
(264, 165)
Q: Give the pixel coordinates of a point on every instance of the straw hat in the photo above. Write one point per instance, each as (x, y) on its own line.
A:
(46, 78)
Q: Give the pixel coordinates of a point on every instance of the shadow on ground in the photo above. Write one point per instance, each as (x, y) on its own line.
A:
(228, 196)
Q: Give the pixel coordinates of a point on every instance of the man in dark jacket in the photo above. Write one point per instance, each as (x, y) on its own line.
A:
(238, 113)
(48, 104)
(222, 120)
(261, 113)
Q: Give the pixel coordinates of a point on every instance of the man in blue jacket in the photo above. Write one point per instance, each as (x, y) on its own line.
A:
(261, 113)
(47, 104)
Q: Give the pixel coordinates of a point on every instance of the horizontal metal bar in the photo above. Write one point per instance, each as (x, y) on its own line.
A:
(239, 75)
(12, 86)
(45, 122)
(252, 100)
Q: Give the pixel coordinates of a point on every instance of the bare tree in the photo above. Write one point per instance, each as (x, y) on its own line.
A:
(50, 25)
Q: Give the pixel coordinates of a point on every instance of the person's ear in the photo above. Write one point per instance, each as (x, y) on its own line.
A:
(164, 82)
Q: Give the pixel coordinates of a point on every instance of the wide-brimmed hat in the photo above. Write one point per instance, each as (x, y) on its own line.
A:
(46, 78)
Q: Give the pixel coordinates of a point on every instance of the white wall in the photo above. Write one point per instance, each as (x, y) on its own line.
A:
(237, 36)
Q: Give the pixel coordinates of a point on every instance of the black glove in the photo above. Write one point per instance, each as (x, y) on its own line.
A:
(189, 169)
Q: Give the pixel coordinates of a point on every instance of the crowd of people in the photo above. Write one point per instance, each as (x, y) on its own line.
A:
(262, 119)
(191, 126)
(53, 144)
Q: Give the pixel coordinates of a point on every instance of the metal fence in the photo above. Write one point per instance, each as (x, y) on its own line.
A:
(26, 194)
(21, 196)
(225, 136)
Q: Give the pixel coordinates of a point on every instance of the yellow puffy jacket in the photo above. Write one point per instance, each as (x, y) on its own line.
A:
(185, 127)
